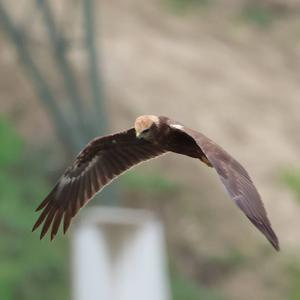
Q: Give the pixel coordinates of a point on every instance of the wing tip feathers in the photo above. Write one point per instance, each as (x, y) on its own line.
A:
(266, 229)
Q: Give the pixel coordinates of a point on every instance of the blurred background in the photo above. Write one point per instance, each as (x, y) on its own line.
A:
(72, 70)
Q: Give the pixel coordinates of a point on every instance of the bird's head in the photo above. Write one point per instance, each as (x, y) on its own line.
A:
(145, 126)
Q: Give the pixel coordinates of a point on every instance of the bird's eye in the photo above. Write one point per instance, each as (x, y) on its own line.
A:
(146, 130)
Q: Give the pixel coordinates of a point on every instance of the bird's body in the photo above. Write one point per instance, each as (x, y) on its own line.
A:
(105, 158)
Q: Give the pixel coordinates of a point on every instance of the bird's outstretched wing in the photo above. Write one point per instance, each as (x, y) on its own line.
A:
(96, 165)
(237, 183)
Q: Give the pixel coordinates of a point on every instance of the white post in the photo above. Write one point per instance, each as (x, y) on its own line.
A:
(119, 254)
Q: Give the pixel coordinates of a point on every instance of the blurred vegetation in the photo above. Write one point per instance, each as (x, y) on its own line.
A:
(183, 288)
(291, 178)
(11, 146)
(258, 14)
(30, 269)
(148, 182)
(294, 272)
(184, 6)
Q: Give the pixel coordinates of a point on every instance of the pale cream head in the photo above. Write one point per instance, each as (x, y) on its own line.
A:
(143, 123)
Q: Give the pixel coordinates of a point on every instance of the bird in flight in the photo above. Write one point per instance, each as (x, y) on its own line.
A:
(105, 158)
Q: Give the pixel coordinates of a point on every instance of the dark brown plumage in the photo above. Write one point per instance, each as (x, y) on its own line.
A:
(105, 158)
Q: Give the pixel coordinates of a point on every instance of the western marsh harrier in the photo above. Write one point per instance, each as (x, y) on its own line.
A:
(105, 158)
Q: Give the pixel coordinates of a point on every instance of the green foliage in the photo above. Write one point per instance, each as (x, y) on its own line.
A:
(149, 182)
(258, 14)
(293, 269)
(183, 288)
(11, 144)
(184, 5)
(30, 269)
(233, 259)
(292, 179)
